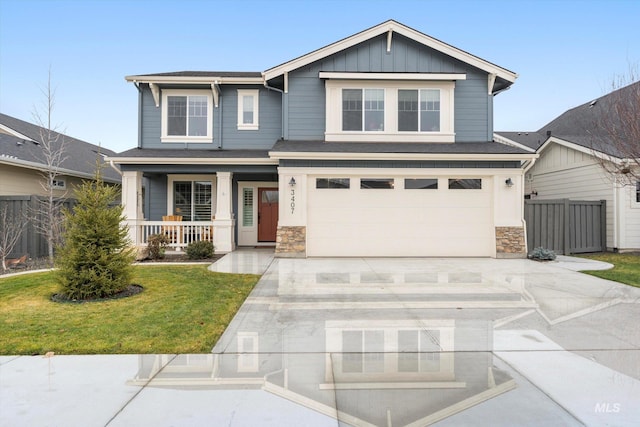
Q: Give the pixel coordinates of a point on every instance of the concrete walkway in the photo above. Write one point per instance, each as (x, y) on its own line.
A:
(328, 342)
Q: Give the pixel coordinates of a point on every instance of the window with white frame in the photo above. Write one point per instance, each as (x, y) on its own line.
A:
(388, 110)
(248, 104)
(59, 184)
(187, 116)
(193, 200)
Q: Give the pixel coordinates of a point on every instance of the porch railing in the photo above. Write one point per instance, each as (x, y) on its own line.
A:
(180, 233)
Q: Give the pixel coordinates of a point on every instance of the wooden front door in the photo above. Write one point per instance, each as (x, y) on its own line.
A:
(267, 214)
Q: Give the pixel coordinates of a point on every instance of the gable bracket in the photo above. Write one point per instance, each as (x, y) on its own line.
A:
(491, 82)
(216, 93)
(155, 91)
(389, 36)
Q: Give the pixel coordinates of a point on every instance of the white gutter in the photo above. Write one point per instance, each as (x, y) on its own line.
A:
(396, 156)
(114, 167)
(194, 79)
(192, 161)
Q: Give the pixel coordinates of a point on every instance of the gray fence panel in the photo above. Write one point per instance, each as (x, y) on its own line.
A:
(25, 208)
(566, 226)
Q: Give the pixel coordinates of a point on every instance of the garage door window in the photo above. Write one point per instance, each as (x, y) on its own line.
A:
(376, 183)
(332, 183)
(421, 184)
(465, 184)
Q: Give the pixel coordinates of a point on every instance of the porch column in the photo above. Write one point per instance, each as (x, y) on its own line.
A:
(132, 203)
(224, 224)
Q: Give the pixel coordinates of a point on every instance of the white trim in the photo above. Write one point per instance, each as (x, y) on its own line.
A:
(255, 94)
(192, 160)
(14, 161)
(155, 91)
(333, 110)
(15, 133)
(171, 178)
(185, 138)
(383, 28)
(195, 80)
(506, 141)
(278, 155)
(580, 148)
(392, 76)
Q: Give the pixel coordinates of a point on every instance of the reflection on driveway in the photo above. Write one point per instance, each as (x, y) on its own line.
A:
(403, 342)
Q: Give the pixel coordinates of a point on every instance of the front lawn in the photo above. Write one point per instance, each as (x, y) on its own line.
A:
(183, 309)
(626, 267)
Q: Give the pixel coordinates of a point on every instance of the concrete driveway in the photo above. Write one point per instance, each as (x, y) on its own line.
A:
(391, 342)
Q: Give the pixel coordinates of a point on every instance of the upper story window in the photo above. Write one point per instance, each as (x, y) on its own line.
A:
(187, 116)
(248, 103)
(390, 110)
(363, 109)
(418, 110)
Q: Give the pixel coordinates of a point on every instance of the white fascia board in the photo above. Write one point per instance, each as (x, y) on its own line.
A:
(195, 80)
(13, 132)
(43, 168)
(580, 148)
(398, 156)
(392, 76)
(506, 141)
(384, 28)
(191, 161)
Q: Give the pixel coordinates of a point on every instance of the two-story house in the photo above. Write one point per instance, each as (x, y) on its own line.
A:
(380, 144)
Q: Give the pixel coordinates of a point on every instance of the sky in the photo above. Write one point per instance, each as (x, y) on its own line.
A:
(566, 52)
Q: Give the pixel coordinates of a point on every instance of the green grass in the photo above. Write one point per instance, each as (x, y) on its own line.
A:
(183, 309)
(626, 267)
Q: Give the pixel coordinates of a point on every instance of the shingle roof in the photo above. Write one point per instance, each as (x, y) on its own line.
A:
(80, 155)
(383, 147)
(528, 139)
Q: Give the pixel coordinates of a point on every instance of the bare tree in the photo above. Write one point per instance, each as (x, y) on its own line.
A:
(10, 231)
(615, 133)
(48, 218)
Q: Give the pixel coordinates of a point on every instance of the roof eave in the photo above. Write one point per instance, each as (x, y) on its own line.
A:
(195, 80)
(386, 27)
(290, 155)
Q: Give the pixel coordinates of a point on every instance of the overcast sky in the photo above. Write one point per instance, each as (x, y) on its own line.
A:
(565, 52)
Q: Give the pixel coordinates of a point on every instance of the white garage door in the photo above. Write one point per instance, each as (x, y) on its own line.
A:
(399, 217)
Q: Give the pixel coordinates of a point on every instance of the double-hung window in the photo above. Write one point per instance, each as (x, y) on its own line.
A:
(418, 110)
(248, 103)
(363, 110)
(187, 116)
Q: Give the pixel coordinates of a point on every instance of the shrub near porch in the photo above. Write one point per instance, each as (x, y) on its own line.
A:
(183, 309)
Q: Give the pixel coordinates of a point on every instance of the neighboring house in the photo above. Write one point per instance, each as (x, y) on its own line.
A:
(380, 144)
(23, 165)
(570, 148)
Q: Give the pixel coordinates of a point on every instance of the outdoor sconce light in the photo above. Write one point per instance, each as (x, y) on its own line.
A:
(509, 182)
(292, 181)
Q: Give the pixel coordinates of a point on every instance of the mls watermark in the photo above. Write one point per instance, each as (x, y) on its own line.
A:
(607, 408)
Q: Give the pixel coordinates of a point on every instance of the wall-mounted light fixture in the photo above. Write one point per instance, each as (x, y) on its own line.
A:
(509, 182)
(292, 181)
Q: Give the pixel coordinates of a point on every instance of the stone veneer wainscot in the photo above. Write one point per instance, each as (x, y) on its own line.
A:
(291, 242)
(510, 242)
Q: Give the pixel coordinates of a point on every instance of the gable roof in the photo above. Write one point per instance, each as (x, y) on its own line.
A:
(504, 77)
(585, 124)
(19, 146)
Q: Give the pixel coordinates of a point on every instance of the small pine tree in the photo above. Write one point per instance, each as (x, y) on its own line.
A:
(94, 261)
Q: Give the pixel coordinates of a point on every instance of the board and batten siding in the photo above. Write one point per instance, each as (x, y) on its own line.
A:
(306, 97)
(226, 136)
(564, 173)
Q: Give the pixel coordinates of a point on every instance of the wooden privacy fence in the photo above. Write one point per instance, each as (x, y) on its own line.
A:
(25, 209)
(566, 226)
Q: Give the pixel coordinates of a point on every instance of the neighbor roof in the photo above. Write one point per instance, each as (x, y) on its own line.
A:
(582, 125)
(19, 145)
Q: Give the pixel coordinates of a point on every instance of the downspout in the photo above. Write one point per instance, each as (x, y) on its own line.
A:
(615, 214)
(137, 85)
(266, 85)
(115, 168)
(217, 85)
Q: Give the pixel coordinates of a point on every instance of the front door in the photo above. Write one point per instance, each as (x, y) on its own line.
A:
(267, 214)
